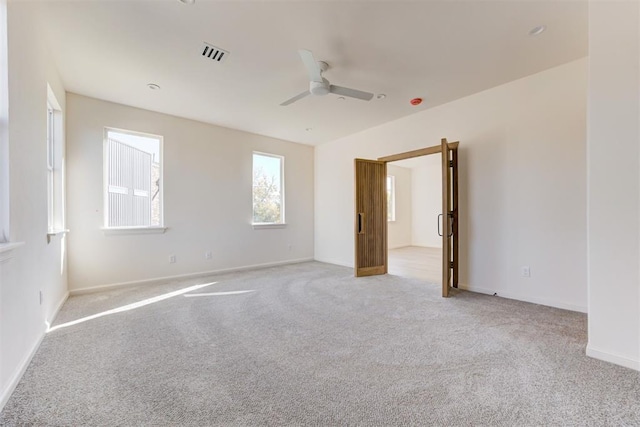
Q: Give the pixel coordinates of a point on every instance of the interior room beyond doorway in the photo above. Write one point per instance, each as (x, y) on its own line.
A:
(414, 193)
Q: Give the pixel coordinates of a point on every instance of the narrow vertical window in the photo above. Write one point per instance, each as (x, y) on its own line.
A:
(50, 168)
(268, 189)
(391, 198)
(55, 165)
(133, 179)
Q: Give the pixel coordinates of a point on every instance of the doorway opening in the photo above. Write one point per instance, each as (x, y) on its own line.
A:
(375, 202)
(414, 203)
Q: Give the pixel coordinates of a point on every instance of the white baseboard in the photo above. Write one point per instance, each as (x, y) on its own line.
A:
(13, 383)
(534, 300)
(398, 247)
(58, 307)
(334, 262)
(101, 288)
(613, 358)
(17, 376)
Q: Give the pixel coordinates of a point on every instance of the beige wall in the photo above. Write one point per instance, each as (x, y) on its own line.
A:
(207, 199)
(614, 182)
(522, 184)
(36, 266)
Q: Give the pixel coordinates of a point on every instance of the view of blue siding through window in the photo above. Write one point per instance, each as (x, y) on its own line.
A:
(268, 197)
(133, 180)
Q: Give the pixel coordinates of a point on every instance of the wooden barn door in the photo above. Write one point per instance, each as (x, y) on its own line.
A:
(370, 218)
(449, 233)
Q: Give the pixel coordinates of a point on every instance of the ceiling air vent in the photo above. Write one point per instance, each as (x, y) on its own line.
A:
(215, 53)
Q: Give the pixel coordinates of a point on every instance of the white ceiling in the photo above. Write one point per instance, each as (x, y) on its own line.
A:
(440, 51)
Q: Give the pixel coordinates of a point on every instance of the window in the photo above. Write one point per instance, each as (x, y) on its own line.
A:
(50, 168)
(391, 198)
(133, 180)
(55, 165)
(268, 189)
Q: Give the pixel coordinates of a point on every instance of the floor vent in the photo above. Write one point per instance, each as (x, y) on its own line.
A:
(215, 53)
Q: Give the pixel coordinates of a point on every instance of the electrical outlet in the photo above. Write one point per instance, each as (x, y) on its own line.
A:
(208, 255)
(526, 271)
(289, 246)
(172, 259)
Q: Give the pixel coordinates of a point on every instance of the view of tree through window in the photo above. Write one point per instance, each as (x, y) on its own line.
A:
(268, 195)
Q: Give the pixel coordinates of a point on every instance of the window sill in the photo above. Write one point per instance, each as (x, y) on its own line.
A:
(116, 231)
(268, 226)
(52, 233)
(6, 250)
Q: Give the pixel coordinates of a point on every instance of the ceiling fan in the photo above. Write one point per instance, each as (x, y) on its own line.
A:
(319, 86)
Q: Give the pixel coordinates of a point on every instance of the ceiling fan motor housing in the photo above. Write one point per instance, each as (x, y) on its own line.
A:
(319, 88)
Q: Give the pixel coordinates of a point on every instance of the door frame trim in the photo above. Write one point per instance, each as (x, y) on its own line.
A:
(418, 153)
(436, 149)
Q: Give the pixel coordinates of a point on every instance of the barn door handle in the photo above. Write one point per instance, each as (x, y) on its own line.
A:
(361, 223)
(450, 233)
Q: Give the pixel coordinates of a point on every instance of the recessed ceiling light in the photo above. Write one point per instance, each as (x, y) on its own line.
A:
(153, 86)
(187, 1)
(537, 30)
(381, 96)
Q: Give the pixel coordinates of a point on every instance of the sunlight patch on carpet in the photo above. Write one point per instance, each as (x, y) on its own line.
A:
(130, 306)
(215, 294)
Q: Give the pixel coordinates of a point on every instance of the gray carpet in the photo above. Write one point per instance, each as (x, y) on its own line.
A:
(314, 346)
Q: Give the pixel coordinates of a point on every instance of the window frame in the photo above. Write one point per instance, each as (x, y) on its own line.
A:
(50, 168)
(136, 229)
(55, 167)
(282, 223)
(392, 193)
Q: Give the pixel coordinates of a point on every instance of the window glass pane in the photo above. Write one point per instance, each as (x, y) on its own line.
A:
(55, 163)
(50, 169)
(134, 180)
(267, 189)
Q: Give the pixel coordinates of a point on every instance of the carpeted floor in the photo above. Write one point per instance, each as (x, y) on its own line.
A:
(312, 345)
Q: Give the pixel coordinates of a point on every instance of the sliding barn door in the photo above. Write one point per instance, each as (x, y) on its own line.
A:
(454, 208)
(370, 218)
(447, 219)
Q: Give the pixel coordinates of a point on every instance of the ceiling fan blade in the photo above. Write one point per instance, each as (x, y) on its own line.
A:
(295, 98)
(352, 93)
(315, 73)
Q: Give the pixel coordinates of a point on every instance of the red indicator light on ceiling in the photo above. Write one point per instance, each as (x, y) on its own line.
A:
(416, 101)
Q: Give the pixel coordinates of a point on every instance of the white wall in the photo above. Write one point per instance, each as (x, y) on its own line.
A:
(4, 126)
(522, 184)
(427, 201)
(399, 231)
(37, 265)
(207, 199)
(614, 182)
